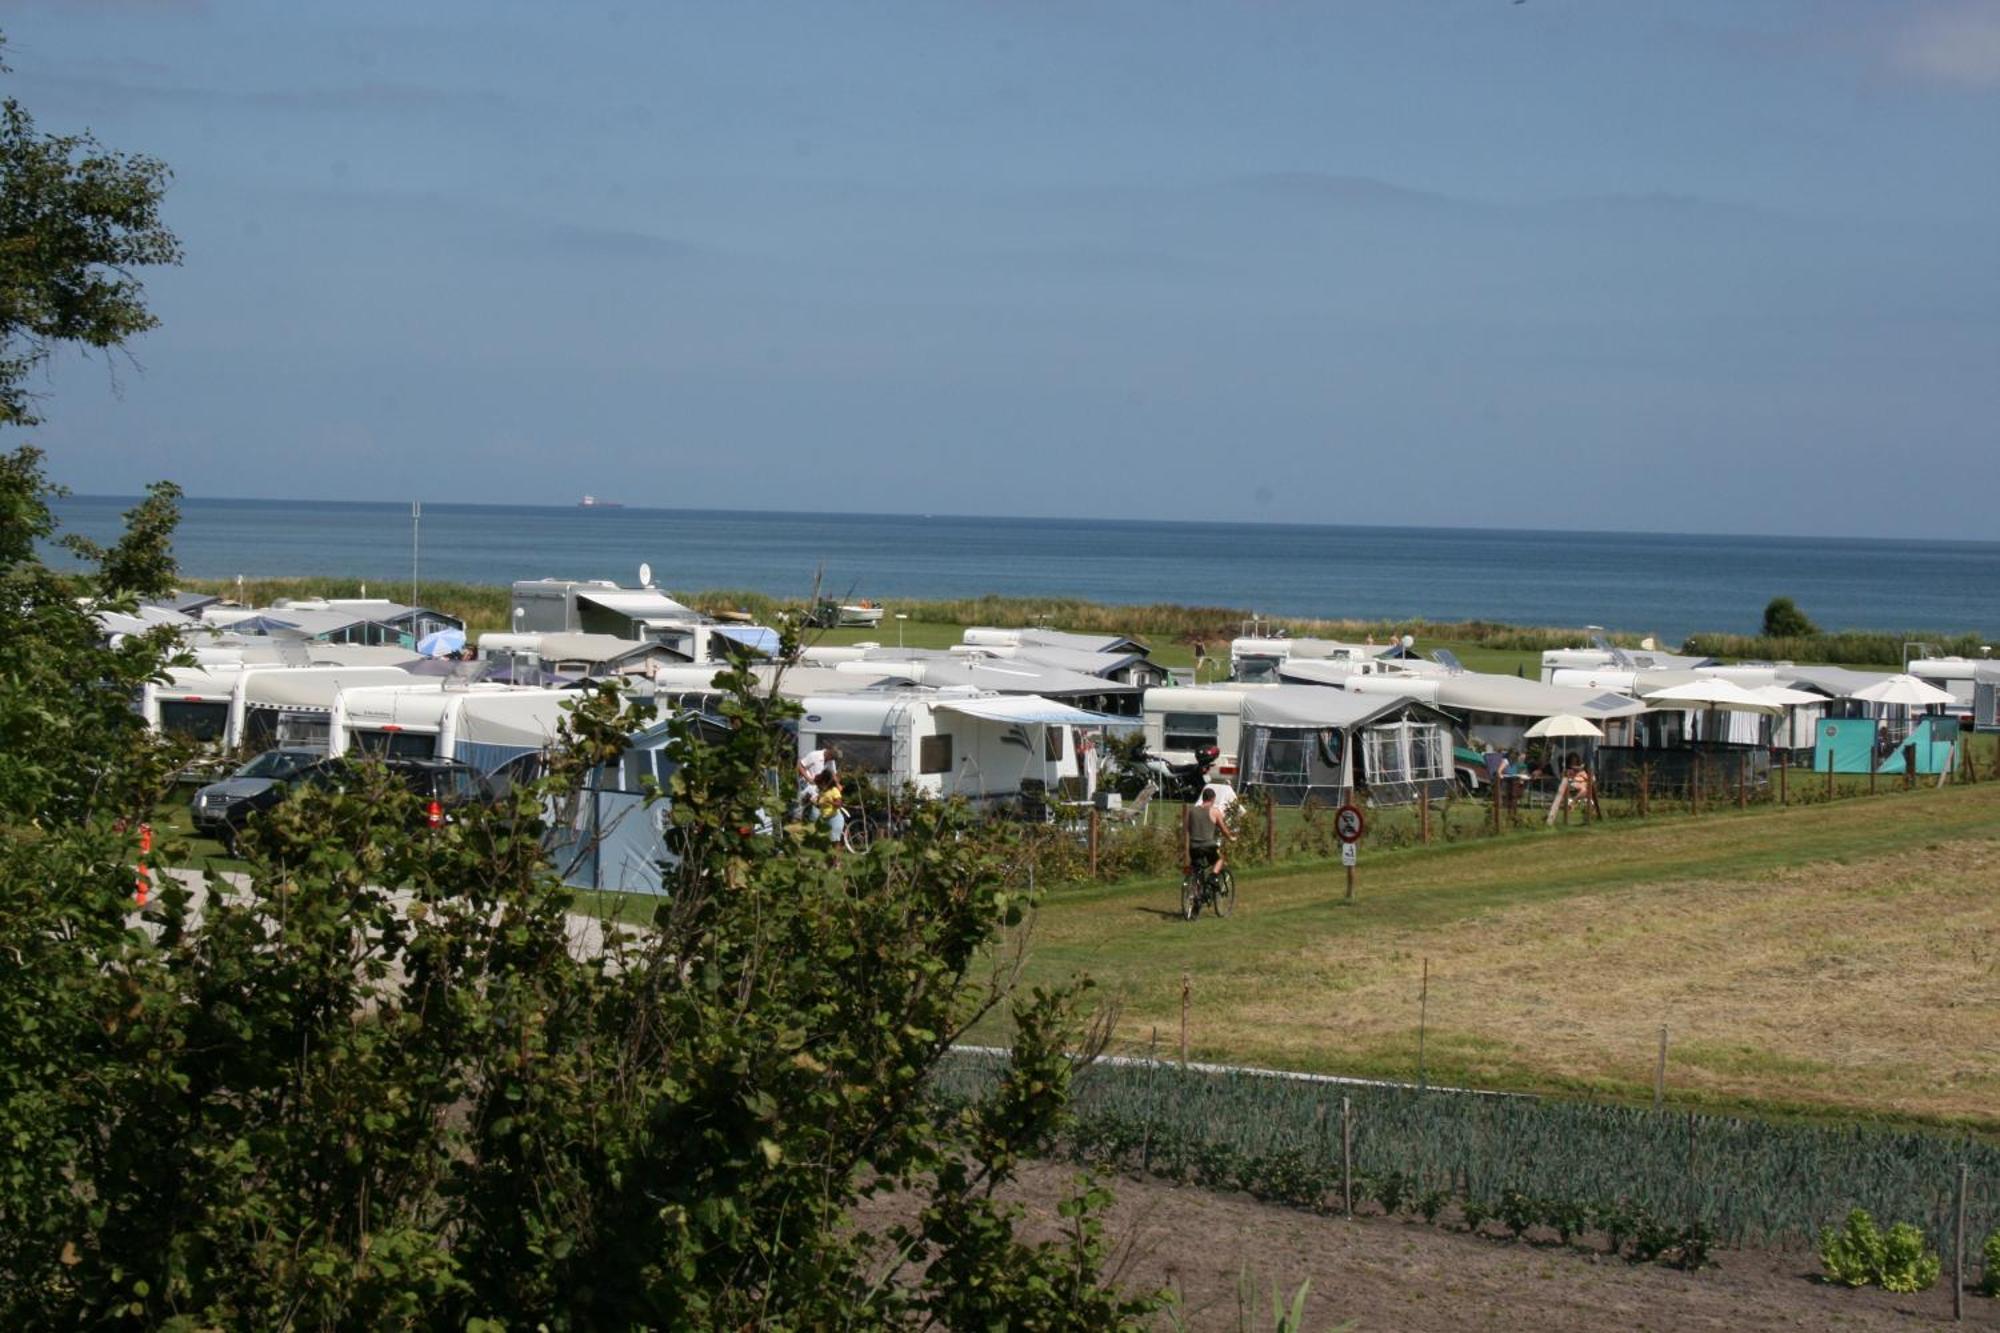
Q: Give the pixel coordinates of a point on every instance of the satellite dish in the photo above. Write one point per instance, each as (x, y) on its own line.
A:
(1409, 641)
(645, 575)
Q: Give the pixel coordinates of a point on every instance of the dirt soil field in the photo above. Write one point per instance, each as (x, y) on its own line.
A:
(1381, 1274)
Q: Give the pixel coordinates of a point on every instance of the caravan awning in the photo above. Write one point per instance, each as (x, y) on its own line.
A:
(754, 637)
(1031, 708)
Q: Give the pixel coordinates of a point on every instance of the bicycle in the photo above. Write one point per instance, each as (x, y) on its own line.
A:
(1207, 887)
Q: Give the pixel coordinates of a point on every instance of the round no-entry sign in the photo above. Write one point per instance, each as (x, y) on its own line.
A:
(1348, 823)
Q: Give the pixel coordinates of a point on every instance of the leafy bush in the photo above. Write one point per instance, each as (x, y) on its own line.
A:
(1860, 1253)
(1990, 1261)
(1908, 1261)
(1784, 620)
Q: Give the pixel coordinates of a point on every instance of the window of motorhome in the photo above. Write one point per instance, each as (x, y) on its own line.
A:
(934, 754)
(200, 721)
(395, 744)
(1052, 743)
(1254, 669)
(860, 754)
(1188, 731)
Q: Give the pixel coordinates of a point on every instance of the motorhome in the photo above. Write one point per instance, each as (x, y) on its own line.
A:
(599, 606)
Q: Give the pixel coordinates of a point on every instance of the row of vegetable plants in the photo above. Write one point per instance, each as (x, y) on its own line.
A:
(1648, 1185)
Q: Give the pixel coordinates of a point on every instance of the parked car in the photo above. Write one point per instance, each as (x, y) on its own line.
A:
(440, 786)
(220, 808)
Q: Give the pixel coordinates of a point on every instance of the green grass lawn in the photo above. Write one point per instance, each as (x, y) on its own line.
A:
(1837, 958)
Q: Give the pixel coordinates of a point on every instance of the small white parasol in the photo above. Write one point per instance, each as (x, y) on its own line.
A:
(1564, 724)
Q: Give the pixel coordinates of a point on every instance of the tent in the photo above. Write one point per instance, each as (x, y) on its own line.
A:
(1307, 741)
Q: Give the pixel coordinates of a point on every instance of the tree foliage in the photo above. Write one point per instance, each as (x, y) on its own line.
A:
(387, 1079)
(75, 221)
(1784, 620)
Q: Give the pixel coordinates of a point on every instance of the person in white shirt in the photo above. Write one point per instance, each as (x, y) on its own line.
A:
(826, 759)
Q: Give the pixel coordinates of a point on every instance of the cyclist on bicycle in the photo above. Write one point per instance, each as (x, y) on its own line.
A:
(1203, 833)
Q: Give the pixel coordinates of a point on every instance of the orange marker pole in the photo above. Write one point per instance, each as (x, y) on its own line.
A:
(143, 889)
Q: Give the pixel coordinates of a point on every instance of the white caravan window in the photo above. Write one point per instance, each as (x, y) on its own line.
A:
(934, 754)
(860, 754)
(1188, 731)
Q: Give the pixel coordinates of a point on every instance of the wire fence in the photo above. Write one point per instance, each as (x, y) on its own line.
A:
(1322, 1144)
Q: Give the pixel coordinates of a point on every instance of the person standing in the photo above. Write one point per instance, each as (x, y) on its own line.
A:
(826, 759)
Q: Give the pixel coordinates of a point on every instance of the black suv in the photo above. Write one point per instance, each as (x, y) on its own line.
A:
(441, 785)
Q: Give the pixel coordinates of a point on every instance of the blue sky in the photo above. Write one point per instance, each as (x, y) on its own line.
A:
(1561, 263)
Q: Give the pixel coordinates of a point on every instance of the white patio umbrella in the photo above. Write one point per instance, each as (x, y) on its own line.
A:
(1713, 693)
(1907, 691)
(1565, 724)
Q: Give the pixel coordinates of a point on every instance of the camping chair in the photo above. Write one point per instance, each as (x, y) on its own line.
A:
(1133, 812)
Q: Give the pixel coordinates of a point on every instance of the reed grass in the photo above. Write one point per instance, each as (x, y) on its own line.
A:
(484, 607)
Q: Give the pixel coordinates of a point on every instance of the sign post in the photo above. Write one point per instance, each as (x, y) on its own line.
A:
(1348, 825)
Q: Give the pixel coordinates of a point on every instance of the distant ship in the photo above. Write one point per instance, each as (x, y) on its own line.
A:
(592, 502)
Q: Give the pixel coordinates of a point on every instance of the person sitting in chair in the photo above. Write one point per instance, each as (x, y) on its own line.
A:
(1203, 833)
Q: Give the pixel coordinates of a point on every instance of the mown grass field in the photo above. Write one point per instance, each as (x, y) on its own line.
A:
(1840, 959)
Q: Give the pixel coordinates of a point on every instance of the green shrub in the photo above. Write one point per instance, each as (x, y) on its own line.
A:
(1990, 1261)
(1784, 620)
(1908, 1263)
(1861, 1253)
(1852, 1254)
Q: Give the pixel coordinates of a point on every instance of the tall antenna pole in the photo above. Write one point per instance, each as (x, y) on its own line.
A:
(416, 519)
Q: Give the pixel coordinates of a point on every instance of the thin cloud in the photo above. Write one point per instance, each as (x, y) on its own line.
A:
(1957, 45)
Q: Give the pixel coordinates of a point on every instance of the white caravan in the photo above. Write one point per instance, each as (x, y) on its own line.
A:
(293, 705)
(981, 746)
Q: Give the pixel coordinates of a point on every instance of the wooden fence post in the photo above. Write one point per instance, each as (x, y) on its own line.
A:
(1347, 1154)
(1093, 842)
(1424, 814)
(1660, 1072)
(1187, 1000)
(1694, 783)
(1909, 767)
(1496, 805)
(1829, 772)
(1958, 1262)
(1743, 781)
(1784, 795)
(1645, 789)
(1270, 825)
(1423, 1019)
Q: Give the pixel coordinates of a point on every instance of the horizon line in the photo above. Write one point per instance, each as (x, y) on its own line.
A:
(1061, 518)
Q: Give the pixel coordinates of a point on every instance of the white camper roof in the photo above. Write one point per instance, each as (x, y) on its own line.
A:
(315, 687)
(640, 603)
(514, 717)
(1312, 706)
(1836, 681)
(1511, 696)
(1030, 708)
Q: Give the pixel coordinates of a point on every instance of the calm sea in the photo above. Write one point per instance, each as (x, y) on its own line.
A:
(1655, 582)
